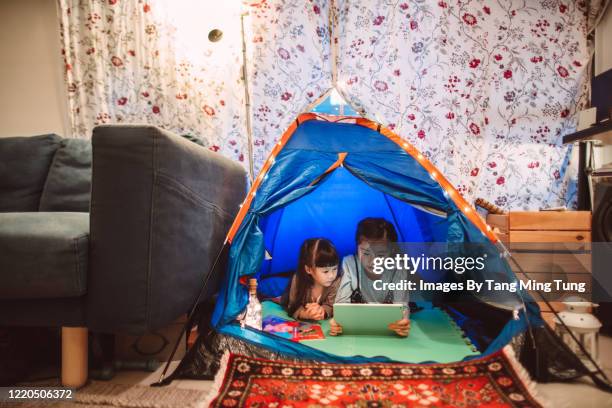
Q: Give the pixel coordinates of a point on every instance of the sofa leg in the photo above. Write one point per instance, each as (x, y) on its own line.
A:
(74, 356)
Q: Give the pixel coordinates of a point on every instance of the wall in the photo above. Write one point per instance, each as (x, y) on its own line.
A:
(32, 92)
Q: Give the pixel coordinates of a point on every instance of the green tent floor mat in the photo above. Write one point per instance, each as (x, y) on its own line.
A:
(434, 336)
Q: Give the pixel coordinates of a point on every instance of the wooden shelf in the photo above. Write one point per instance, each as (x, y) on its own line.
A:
(532, 236)
(550, 220)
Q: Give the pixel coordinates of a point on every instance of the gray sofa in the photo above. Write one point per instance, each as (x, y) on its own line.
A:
(120, 246)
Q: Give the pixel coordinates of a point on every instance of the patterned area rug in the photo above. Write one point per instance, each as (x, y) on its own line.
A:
(494, 381)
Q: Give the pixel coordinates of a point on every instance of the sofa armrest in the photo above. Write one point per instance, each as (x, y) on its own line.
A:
(160, 209)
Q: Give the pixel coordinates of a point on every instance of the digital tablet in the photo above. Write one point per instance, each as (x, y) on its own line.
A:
(367, 318)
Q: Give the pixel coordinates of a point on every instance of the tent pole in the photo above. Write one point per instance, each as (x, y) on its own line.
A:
(190, 316)
(580, 345)
(505, 254)
(247, 101)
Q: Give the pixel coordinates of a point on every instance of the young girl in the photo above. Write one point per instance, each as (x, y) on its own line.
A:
(312, 291)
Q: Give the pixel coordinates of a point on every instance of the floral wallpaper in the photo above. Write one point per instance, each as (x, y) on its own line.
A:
(485, 89)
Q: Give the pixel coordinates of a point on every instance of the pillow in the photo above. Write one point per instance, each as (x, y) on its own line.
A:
(24, 163)
(68, 186)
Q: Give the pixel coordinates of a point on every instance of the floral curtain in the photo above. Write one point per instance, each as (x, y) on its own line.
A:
(485, 89)
(151, 62)
(289, 65)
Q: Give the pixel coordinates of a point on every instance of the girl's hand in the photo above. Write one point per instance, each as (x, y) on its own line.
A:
(334, 328)
(313, 311)
(401, 327)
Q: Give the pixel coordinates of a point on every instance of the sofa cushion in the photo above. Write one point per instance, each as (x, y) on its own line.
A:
(68, 185)
(24, 163)
(44, 255)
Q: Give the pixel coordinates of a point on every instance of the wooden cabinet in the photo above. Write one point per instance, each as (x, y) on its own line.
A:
(548, 246)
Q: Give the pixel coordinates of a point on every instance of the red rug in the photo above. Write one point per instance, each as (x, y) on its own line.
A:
(494, 381)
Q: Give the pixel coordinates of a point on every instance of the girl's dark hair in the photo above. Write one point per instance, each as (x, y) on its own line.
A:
(375, 229)
(315, 252)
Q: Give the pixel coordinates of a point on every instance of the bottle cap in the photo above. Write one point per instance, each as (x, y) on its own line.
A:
(253, 285)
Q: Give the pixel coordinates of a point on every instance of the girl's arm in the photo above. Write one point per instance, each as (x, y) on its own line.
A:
(330, 299)
(294, 309)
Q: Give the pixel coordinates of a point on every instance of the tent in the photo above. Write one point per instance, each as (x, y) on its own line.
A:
(323, 176)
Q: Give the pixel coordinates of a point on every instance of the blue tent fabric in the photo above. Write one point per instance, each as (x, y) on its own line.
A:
(391, 172)
(297, 199)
